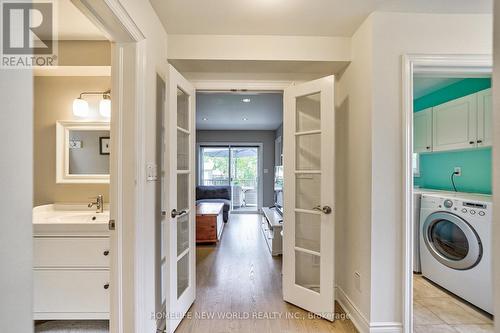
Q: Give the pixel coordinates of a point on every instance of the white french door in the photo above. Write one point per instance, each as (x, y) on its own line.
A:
(308, 236)
(179, 278)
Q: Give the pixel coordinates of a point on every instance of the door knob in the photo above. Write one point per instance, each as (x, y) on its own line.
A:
(325, 209)
(175, 213)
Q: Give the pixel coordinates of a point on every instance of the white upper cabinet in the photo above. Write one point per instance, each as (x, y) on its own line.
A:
(455, 124)
(422, 131)
(484, 118)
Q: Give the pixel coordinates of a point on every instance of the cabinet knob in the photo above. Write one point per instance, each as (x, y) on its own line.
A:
(106, 286)
(471, 142)
(479, 141)
(428, 147)
(106, 253)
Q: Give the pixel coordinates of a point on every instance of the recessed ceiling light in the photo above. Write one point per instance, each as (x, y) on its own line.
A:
(204, 119)
(246, 100)
(245, 119)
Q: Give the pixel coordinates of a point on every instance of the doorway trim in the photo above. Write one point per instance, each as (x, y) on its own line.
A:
(452, 65)
(128, 54)
(260, 145)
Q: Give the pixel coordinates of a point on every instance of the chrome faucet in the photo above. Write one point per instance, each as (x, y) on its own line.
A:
(99, 204)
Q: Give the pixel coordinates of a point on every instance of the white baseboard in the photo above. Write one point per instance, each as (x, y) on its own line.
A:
(359, 319)
(389, 327)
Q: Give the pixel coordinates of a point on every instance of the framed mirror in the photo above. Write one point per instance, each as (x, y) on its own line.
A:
(83, 151)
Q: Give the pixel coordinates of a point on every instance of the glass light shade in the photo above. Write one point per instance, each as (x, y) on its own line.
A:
(105, 107)
(80, 108)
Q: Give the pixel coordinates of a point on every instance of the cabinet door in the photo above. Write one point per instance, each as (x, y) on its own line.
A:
(422, 131)
(484, 118)
(455, 124)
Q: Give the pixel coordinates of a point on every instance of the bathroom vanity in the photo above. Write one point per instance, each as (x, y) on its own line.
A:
(71, 262)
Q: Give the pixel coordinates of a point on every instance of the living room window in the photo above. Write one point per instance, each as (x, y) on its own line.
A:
(236, 166)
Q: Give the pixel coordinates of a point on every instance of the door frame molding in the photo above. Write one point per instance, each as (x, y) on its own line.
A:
(432, 65)
(128, 182)
(260, 202)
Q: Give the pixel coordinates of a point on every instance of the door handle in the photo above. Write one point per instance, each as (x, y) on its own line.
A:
(324, 209)
(175, 213)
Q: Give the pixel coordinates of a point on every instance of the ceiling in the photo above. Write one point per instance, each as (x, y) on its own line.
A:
(292, 17)
(425, 85)
(227, 111)
(73, 25)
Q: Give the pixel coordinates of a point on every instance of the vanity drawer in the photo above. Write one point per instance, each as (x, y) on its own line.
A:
(70, 252)
(70, 294)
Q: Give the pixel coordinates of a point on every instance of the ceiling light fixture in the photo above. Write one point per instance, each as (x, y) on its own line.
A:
(246, 100)
(204, 119)
(245, 119)
(81, 106)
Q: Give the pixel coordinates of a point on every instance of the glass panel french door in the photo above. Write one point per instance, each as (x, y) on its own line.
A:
(308, 258)
(236, 166)
(180, 231)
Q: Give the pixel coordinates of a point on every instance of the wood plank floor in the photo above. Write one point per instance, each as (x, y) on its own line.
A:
(239, 284)
(437, 311)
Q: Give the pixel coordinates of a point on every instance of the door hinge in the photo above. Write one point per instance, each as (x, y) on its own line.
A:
(111, 225)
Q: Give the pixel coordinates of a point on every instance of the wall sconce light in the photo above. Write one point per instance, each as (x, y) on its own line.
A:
(81, 106)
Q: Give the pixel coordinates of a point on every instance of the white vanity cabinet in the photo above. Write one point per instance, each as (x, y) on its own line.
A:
(422, 131)
(484, 118)
(71, 261)
(455, 124)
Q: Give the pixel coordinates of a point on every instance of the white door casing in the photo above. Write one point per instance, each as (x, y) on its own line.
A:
(308, 236)
(180, 282)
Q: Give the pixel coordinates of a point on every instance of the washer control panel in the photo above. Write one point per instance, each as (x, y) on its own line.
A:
(468, 208)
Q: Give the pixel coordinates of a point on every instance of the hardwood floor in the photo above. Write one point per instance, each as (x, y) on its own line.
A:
(437, 311)
(239, 284)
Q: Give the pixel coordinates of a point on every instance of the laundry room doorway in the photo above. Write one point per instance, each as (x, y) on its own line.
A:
(447, 114)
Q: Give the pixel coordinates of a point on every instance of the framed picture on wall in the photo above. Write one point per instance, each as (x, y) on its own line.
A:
(104, 146)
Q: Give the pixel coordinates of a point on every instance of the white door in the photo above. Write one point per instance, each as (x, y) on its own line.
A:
(455, 124)
(484, 118)
(308, 244)
(422, 131)
(180, 230)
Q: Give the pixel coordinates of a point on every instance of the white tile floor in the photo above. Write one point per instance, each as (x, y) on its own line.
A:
(437, 311)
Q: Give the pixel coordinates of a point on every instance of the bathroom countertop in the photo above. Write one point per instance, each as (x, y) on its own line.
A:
(69, 219)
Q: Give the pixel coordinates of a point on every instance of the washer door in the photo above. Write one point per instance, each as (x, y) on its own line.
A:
(452, 241)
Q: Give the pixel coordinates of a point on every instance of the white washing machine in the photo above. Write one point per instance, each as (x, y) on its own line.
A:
(455, 245)
(417, 194)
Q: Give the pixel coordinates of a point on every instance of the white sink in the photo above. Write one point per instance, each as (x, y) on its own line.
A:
(68, 218)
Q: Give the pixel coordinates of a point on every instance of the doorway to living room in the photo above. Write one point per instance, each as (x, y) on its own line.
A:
(237, 166)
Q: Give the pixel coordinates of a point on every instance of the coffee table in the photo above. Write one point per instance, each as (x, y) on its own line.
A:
(209, 222)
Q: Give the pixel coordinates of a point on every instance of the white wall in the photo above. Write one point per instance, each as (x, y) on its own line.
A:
(496, 161)
(16, 200)
(237, 47)
(395, 34)
(353, 173)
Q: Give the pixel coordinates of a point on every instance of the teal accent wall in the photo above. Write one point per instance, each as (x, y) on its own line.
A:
(453, 91)
(436, 168)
